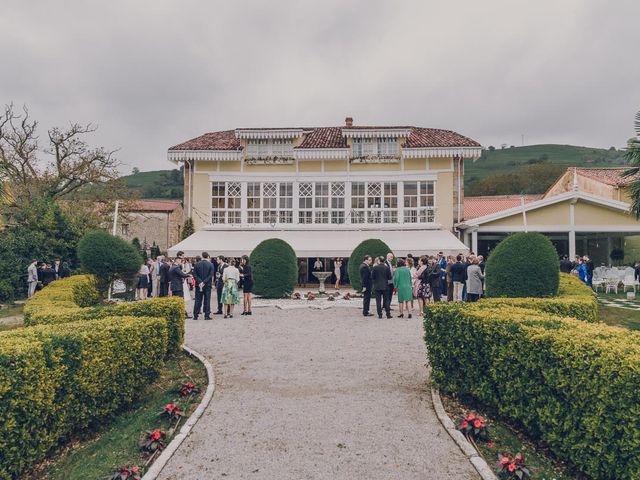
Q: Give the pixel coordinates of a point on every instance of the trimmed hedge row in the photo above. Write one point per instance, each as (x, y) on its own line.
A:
(56, 380)
(574, 299)
(75, 298)
(571, 384)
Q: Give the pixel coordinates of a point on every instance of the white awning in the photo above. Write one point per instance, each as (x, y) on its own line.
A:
(319, 243)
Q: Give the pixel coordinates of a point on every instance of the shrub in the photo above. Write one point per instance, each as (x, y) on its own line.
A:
(573, 385)
(275, 268)
(108, 258)
(523, 265)
(374, 247)
(7, 294)
(63, 301)
(56, 380)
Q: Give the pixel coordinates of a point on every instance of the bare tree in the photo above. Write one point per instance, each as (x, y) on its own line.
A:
(67, 167)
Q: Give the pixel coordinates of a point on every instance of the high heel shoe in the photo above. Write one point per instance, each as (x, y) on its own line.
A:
(401, 315)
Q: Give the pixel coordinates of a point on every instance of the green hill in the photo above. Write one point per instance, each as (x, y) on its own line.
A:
(157, 183)
(531, 169)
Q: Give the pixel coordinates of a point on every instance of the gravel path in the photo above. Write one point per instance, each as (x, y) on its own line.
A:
(316, 394)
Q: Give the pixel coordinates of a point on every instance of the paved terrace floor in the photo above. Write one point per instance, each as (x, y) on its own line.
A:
(316, 394)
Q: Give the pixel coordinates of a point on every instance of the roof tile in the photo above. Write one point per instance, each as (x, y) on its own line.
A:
(475, 207)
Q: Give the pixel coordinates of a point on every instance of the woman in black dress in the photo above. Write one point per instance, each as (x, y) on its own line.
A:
(246, 278)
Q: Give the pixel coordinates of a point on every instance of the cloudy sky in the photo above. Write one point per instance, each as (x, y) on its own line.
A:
(155, 73)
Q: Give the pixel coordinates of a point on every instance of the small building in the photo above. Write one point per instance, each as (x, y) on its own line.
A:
(324, 189)
(152, 221)
(585, 212)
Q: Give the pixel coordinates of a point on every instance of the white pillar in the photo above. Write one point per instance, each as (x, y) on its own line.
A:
(474, 241)
(572, 244)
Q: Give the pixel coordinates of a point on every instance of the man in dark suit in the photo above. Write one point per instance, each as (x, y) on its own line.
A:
(219, 281)
(365, 279)
(176, 279)
(389, 263)
(164, 278)
(435, 275)
(203, 272)
(380, 277)
(565, 264)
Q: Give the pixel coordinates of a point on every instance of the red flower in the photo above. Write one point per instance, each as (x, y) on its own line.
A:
(477, 423)
(504, 461)
(189, 385)
(471, 416)
(491, 444)
(480, 418)
(465, 424)
(155, 435)
(519, 459)
(135, 470)
(512, 466)
(170, 408)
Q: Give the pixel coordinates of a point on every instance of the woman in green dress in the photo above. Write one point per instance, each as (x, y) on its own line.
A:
(402, 283)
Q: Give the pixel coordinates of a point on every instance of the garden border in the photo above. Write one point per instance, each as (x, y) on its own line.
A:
(479, 463)
(157, 466)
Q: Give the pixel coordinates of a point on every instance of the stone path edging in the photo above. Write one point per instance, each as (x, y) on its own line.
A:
(470, 452)
(174, 444)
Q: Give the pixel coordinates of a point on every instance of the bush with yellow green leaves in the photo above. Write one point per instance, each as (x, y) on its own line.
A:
(56, 380)
(76, 298)
(571, 384)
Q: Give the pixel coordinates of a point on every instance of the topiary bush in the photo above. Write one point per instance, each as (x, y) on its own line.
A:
(374, 247)
(108, 258)
(523, 265)
(275, 268)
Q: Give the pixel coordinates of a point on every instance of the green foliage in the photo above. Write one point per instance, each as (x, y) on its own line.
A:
(76, 298)
(570, 384)
(632, 158)
(533, 178)
(41, 230)
(155, 251)
(7, 294)
(157, 184)
(56, 380)
(187, 229)
(374, 247)
(138, 247)
(108, 257)
(275, 268)
(523, 265)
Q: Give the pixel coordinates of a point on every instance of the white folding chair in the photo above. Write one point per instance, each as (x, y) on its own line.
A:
(629, 281)
(612, 284)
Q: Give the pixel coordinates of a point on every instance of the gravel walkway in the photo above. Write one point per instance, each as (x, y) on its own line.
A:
(316, 394)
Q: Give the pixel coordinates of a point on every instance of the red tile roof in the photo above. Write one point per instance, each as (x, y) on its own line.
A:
(608, 176)
(331, 137)
(480, 206)
(154, 205)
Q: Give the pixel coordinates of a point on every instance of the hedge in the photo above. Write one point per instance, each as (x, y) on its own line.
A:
(75, 298)
(523, 264)
(56, 380)
(573, 385)
(275, 268)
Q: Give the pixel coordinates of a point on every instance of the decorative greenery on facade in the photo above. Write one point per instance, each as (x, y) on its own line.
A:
(523, 265)
(275, 268)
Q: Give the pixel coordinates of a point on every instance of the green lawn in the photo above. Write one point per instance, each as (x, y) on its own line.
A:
(116, 445)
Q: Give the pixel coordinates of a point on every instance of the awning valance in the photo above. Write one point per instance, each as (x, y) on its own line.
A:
(319, 243)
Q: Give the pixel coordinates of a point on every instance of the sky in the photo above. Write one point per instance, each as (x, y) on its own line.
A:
(152, 74)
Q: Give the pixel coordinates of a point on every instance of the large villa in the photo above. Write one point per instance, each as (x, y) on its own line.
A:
(325, 189)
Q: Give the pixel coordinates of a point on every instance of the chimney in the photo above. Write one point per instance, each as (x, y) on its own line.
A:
(348, 121)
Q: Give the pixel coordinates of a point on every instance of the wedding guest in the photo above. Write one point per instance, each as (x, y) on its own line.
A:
(32, 277)
(303, 271)
(176, 279)
(380, 277)
(163, 283)
(435, 279)
(421, 287)
(412, 271)
(151, 267)
(337, 271)
(474, 280)
(246, 278)
(450, 262)
(203, 273)
(230, 294)
(389, 263)
(458, 270)
(365, 280)
(221, 265)
(143, 283)
(402, 282)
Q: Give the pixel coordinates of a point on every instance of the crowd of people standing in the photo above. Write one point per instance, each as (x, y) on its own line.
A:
(427, 279)
(196, 278)
(40, 274)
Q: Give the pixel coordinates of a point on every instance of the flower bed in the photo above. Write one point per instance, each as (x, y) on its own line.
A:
(571, 384)
(76, 298)
(76, 364)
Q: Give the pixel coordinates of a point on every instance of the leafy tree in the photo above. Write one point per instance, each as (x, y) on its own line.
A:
(523, 265)
(529, 179)
(632, 157)
(108, 258)
(187, 229)
(275, 268)
(135, 171)
(155, 251)
(374, 247)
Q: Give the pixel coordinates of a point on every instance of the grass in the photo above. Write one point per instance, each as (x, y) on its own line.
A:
(116, 444)
(506, 440)
(510, 159)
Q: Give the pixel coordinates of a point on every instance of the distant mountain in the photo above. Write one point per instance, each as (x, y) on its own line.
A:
(531, 169)
(157, 183)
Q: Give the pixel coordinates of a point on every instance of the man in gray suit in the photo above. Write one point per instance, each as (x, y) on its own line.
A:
(32, 277)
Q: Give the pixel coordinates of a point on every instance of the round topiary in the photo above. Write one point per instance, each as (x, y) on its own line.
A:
(523, 265)
(374, 247)
(275, 268)
(108, 258)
